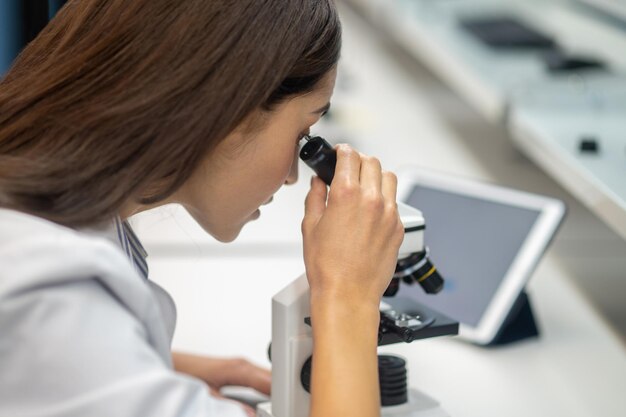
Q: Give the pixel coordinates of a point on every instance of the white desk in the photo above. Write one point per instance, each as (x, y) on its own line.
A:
(578, 366)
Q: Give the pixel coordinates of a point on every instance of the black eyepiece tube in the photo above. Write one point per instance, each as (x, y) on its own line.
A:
(321, 157)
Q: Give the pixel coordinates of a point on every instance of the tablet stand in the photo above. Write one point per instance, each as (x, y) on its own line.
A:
(520, 323)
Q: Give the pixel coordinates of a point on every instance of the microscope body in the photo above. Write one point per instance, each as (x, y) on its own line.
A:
(292, 342)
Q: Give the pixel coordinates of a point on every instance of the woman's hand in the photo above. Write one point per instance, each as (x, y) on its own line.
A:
(221, 372)
(351, 239)
(351, 242)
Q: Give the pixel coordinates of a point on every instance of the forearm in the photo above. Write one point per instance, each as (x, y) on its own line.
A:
(189, 364)
(345, 367)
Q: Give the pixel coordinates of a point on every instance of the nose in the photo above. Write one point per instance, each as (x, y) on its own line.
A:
(292, 178)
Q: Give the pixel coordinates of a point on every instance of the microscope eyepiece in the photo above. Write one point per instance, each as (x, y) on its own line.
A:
(320, 156)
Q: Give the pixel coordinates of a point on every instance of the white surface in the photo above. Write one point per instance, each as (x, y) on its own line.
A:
(598, 180)
(578, 366)
(611, 7)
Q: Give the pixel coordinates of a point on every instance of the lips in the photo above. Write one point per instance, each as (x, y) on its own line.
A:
(269, 200)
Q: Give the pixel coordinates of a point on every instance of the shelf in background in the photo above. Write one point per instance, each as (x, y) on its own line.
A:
(547, 113)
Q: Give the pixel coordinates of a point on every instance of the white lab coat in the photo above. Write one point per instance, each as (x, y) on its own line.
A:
(82, 334)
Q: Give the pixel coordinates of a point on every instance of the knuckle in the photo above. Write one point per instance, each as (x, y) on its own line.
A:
(344, 190)
(374, 202)
(390, 176)
(399, 228)
(370, 160)
(345, 150)
(392, 207)
(393, 220)
(399, 232)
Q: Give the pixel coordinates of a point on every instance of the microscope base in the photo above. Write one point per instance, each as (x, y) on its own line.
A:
(419, 405)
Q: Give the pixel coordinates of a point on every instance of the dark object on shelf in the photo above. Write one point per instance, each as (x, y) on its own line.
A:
(559, 61)
(506, 33)
(589, 145)
(520, 324)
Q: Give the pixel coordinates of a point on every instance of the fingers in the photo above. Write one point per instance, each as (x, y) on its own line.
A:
(315, 202)
(389, 186)
(371, 174)
(259, 379)
(356, 169)
(249, 411)
(348, 166)
(246, 374)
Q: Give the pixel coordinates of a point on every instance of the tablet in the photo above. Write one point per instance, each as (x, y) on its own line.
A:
(485, 240)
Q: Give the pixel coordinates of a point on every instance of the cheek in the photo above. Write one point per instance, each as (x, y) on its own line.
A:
(272, 175)
(287, 165)
(264, 177)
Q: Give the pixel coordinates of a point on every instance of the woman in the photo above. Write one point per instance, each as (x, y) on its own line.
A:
(121, 106)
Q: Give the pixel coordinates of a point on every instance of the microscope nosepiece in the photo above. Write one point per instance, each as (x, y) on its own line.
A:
(428, 277)
(418, 267)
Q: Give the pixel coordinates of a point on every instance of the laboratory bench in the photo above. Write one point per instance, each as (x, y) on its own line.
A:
(390, 105)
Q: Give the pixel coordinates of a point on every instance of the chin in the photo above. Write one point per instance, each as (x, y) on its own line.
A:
(223, 235)
(226, 237)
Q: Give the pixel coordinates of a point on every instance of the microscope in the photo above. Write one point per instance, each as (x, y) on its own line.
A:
(401, 320)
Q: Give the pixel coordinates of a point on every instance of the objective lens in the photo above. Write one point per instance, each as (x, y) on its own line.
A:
(428, 277)
(418, 267)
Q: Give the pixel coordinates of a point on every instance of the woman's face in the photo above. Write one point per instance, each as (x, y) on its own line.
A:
(248, 167)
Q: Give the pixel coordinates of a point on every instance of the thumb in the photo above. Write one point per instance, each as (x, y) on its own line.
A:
(315, 202)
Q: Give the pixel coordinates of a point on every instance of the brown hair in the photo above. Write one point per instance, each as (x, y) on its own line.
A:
(115, 98)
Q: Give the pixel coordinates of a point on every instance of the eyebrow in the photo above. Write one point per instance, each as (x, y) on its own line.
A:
(322, 109)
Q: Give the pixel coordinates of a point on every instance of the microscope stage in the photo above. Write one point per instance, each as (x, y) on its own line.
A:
(403, 320)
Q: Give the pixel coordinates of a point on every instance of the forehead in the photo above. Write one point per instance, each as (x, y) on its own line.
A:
(322, 92)
(327, 83)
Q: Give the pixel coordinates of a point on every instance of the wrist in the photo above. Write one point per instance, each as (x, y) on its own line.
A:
(336, 314)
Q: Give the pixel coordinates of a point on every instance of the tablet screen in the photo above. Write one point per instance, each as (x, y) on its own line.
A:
(472, 242)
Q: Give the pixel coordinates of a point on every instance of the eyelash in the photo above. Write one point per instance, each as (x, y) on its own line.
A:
(303, 134)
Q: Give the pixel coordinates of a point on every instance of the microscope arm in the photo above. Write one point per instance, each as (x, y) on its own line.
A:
(414, 226)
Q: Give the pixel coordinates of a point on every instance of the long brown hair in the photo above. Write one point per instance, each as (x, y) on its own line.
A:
(117, 98)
